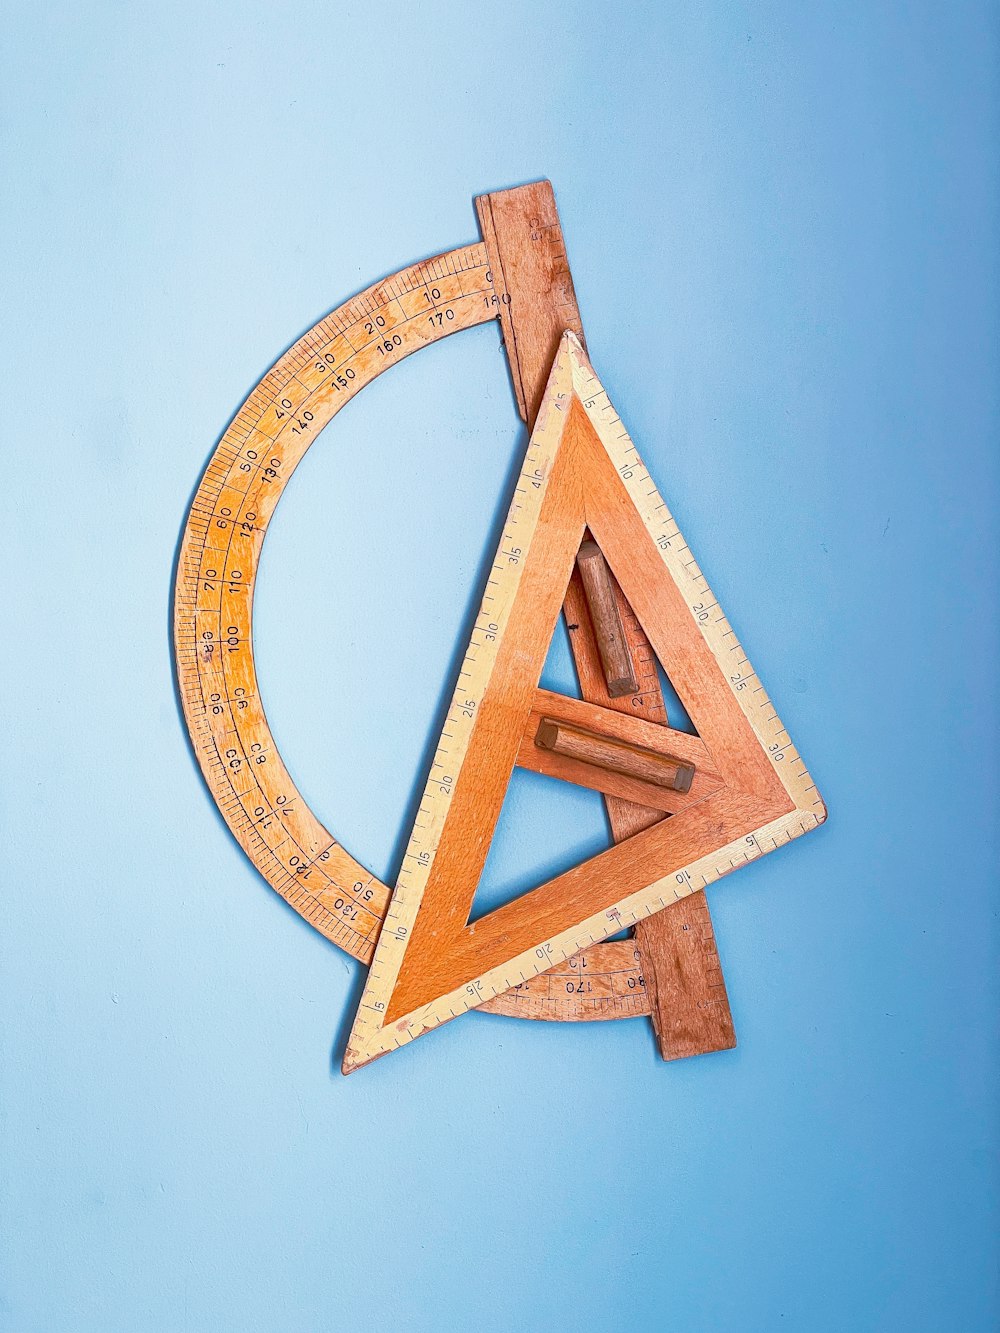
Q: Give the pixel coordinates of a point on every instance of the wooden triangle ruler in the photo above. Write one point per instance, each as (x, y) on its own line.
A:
(734, 792)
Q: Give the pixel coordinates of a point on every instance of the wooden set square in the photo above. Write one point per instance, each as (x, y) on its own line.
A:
(748, 794)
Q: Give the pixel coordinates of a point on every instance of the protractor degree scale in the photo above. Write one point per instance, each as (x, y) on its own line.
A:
(518, 275)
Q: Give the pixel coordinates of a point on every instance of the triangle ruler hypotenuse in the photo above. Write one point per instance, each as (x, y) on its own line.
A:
(587, 534)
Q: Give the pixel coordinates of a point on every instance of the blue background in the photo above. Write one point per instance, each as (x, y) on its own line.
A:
(781, 219)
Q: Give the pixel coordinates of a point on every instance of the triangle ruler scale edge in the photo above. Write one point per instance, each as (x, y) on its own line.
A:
(734, 792)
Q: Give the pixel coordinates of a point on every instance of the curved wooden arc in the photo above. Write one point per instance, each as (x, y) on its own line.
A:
(213, 637)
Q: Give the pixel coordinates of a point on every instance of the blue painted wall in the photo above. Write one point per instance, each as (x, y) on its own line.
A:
(781, 219)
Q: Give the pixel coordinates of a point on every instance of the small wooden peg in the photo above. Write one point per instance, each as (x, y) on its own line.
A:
(616, 660)
(619, 756)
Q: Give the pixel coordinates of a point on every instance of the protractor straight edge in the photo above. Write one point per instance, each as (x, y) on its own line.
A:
(213, 605)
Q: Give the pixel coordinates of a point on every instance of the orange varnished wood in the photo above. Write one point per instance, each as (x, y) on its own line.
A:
(628, 727)
(531, 276)
(655, 770)
(438, 962)
(606, 621)
(684, 981)
(633, 731)
(242, 765)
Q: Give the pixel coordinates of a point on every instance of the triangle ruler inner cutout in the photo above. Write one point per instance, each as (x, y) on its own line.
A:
(735, 791)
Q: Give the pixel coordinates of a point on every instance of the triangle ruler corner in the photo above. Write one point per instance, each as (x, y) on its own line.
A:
(747, 790)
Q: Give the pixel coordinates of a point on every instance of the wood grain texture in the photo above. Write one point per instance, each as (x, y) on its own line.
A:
(619, 727)
(443, 962)
(687, 990)
(606, 621)
(658, 770)
(213, 639)
(580, 487)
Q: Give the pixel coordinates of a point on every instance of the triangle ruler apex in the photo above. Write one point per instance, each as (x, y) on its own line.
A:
(587, 536)
(735, 792)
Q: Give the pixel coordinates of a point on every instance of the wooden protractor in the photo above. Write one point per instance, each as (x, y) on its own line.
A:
(213, 607)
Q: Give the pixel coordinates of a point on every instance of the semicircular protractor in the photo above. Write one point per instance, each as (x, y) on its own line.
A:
(615, 738)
